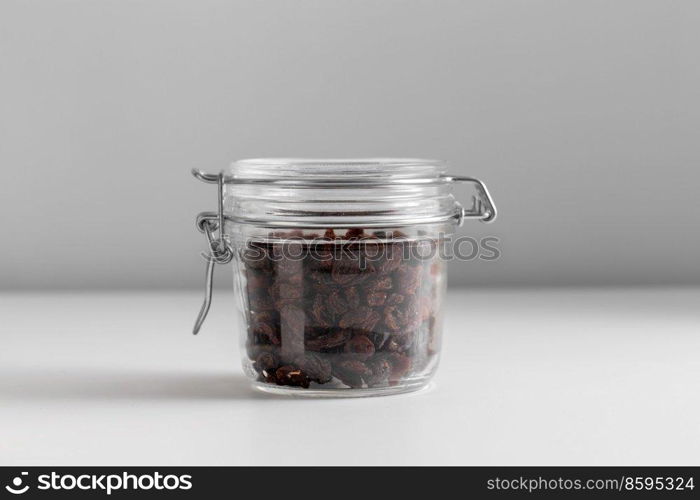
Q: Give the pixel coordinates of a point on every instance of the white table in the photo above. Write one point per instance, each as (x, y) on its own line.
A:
(557, 376)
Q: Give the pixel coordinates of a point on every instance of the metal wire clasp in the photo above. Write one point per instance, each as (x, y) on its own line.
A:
(220, 251)
(483, 208)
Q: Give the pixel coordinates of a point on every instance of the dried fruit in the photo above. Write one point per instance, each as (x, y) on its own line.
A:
(328, 341)
(402, 317)
(395, 299)
(290, 375)
(336, 302)
(400, 365)
(391, 318)
(264, 327)
(409, 278)
(266, 361)
(377, 284)
(375, 299)
(357, 310)
(362, 317)
(411, 316)
(351, 372)
(316, 367)
(359, 347)
(257, 281)
(320, 313)
(354, 233)
(381, 371)
(352, 297)
(259, 303)
(391, 261)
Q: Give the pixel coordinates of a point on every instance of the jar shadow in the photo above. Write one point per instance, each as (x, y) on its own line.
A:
(102, 384)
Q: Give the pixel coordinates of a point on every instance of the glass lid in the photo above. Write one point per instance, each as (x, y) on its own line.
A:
(364, 192)
(335, 170)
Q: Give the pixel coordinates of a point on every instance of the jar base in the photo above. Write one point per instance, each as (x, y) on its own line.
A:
(342, 393)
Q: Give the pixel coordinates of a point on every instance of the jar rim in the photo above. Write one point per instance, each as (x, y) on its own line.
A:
(346, 170)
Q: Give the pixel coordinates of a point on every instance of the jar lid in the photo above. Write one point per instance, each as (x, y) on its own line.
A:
(322, 193)
(336, 171)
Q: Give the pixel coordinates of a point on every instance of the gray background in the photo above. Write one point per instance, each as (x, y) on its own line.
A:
(582, 117)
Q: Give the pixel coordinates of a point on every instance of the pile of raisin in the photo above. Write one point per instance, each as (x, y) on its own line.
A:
(357, 310)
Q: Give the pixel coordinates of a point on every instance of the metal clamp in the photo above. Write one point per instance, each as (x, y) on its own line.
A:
(483, 208)
(220, 251)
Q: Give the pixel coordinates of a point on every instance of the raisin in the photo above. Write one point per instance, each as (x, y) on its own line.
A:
(320, 258)
(378, 284)
(411, 316)
(405, 317)
(409, 279)
(351, 372)
(319, 312)
(381, 371)
(347, 272)
(391, 318)
(266, 361)
(400, 365)
(336, 302)
(376, 299)
(359, 347)
(342, 275)
(379, 339)
(316, 367)
(292, 376)
(399, 342)
(391, 345)
(329, 340)
(362, 317)
(321, 279)
(260, 303)
(256, 349)
(392, 260)
(395, 299)
(264, 328)
(282, 293)
(257, 281)
(354, 233)
(352, 296)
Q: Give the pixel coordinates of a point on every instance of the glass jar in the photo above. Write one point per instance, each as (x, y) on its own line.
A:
(339, 271)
